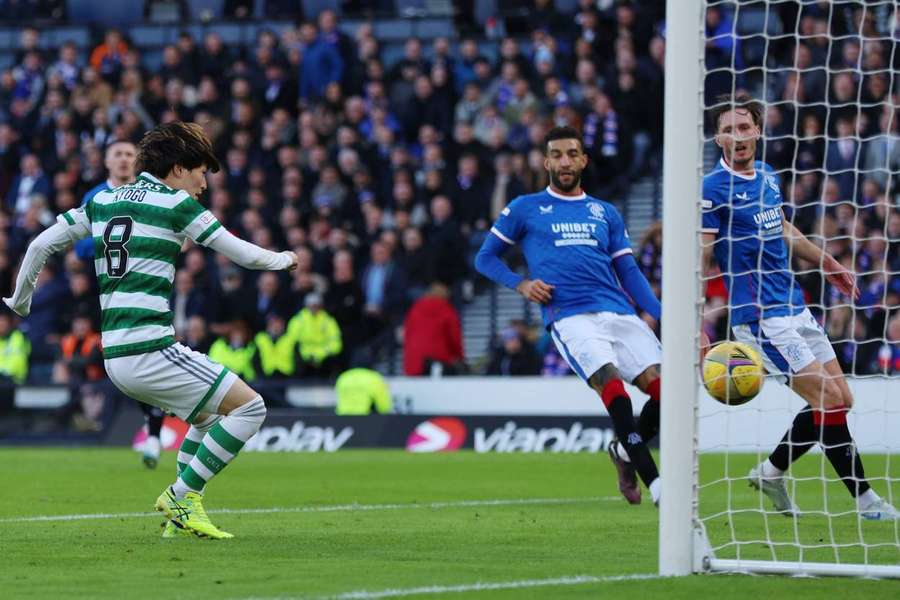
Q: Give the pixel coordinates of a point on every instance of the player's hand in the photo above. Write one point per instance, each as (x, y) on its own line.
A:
(535, 290)
(294, 260)
(22, 311)
(841, 278)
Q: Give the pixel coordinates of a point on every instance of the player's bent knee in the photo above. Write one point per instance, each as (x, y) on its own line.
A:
(603, 376)
(647, 377)
(237, 395)
(252, 412)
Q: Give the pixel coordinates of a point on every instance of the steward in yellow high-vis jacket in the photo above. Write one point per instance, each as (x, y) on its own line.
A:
(276, 350)
(318, 336)
(235, 353)
(360, 390)
(14, 351)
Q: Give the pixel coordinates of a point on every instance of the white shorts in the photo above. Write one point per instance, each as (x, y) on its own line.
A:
(176, 379)
(591, 340)
(788, 344)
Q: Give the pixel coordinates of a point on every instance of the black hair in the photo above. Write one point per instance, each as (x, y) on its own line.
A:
(562, 133)
(175, 143)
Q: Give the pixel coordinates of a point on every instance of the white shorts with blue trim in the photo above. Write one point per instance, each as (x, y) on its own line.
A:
(788, 344)
(591, 340)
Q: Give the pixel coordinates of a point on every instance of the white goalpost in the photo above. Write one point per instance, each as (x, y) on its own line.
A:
(681, 220)
(796, 57)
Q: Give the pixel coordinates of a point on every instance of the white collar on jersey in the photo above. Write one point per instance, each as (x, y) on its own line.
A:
(147, 175)
(581, 196)
(735, 173)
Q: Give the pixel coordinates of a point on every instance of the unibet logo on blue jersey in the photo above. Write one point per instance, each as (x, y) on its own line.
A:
(745, 214)
(570, 243)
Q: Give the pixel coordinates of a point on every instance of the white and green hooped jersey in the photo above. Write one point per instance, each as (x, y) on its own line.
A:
(138, 231)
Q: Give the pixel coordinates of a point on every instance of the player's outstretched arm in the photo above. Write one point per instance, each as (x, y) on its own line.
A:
(54, 239)
(636, 285)
(251, 256)
(835, 272)
(489, 263)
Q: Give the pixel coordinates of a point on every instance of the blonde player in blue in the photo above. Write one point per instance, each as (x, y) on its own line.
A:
(579, 260)
(752, 241)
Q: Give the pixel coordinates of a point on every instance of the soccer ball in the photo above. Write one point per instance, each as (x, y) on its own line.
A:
(733, 373)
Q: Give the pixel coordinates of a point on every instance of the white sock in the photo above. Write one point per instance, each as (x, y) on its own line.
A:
(192, 440)
(152, 445)
(220, 445)
(622, 452)
(655, 489)
(770, 471)
(867, 499)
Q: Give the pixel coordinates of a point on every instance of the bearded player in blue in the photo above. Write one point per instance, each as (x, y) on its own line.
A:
(744, 227)
(579, 259)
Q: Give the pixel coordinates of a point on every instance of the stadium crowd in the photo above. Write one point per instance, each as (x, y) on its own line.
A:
(384, 176)
(832, 131)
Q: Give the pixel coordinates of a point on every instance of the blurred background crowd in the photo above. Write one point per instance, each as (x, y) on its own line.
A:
(383, 162)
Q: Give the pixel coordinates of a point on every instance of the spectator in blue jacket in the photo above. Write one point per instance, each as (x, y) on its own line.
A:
(31, 181)
(322, 63)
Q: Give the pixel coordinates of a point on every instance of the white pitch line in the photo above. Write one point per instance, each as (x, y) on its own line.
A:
(474, 587)
(325, 509)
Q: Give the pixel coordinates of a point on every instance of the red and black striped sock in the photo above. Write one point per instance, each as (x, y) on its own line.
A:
(841, 451)
(648, 423)
(618, 405)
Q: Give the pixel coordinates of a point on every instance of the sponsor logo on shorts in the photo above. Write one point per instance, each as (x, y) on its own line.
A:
(793, 352)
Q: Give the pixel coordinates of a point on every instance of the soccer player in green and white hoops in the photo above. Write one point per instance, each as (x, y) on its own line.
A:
(138, 231)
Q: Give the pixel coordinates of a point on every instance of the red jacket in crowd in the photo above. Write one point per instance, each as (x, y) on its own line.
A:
(431, 330)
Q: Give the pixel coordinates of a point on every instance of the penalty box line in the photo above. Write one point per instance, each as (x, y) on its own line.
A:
(472, 587)
(326, 508)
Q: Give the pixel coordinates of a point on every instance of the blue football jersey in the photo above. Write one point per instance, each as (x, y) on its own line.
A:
(101, 187)
(570, 243)
(85, 248)
(745, 214)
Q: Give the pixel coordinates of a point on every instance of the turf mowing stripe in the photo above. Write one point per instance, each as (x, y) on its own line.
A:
(476, 587)
(483, 587)
(326, 508)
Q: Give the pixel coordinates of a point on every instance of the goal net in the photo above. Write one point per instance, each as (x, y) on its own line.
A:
(827, 76)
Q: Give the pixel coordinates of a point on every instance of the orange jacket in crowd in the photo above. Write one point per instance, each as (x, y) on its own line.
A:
(84, 348)
(103, 50)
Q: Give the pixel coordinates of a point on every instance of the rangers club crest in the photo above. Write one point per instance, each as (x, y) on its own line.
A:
(597, 211)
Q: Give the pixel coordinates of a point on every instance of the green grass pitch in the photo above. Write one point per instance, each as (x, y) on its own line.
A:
(357, 524)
